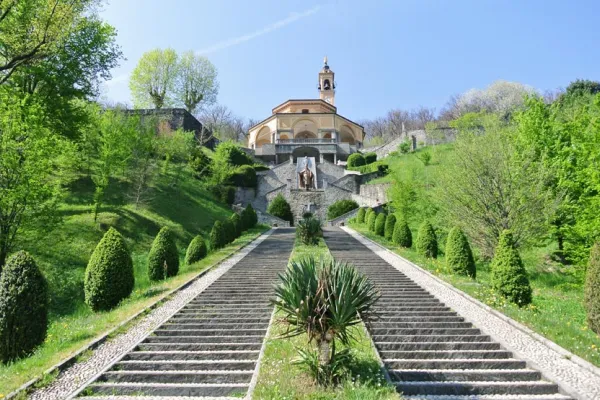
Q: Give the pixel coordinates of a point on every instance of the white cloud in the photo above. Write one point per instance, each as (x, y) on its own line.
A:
(293, 17)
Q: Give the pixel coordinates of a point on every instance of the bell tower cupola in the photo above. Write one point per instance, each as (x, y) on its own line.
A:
(327, 84)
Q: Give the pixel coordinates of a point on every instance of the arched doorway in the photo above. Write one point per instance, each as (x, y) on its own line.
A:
(305, 152)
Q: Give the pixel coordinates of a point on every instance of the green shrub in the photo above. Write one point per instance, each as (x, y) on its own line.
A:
(243, 176)
(371, 221)
(163, 260)
(380, 224)
(355, 160)
(23, 307)
(237, 224)
(360, 216)
(390, 222)
(249, 217)
(218, 237)
(427, 241)
(280, 208)
(404, 147)
(109, 274)
(592, 289)
(196, 251)
(509, 276)
(232, 154)
(229, 230)
(260, 167)
(200, 163)
(309, 231)
(223, 193)
(370, 158)
(459, 256)
(307, 214)
(341, 207)
(402, 235)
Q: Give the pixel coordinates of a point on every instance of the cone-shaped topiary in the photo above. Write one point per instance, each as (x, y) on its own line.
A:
(229, 230)
(249, 217)
(402, 235)
(237, 225)
(371, 221)
(280, 208)
(109, 274)
(217, 236)
(196, 251)
(23, 307)
(592, 289)
(360, 215)
(163, 260)
(380, 224)
(427, 241)
(390, 222)
(459, 256)
(509, 276)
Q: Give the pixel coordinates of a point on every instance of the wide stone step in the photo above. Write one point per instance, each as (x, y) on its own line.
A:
(413, 314)
(211, 332)
(460, 375)
(197, 325)
(405, 310)
(449, 354)
(430, 338)
(437, 346)
(454, 364)
(185, 365)
(226, 310)
(476, 388)
(165, 389)
(200, 352)
(184, 319)
(422, 325)
(425, 331)
(201, 343)
(424, 318)
(178, 355)
(176, 377)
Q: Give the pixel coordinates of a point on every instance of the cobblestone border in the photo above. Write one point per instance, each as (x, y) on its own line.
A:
(575, 376)
(72, 373)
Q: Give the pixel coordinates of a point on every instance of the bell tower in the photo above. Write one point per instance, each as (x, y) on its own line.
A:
(327, 84)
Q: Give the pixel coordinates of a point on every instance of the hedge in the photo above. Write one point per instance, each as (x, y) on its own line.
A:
(592, 289)
(163, 260)
(223, 193)
(280, 208)
(243, 176)
(459, 257)
(249, 217)
(380, 224)
(237, 224)
(229, 230)
(355, 160)
(509, 276)
(427, 241)
(371, 221)
(402, 235)
(341, 207)
(109, 276)
(390, 222)
(23, 307)
(218, 237)
(370, 158)
(360, 215)
(196, 251)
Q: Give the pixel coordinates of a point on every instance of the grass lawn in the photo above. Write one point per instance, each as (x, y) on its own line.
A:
(279, 378)
(62, 255)
(557, 310)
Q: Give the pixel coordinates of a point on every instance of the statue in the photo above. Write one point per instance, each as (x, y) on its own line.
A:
(305, 178)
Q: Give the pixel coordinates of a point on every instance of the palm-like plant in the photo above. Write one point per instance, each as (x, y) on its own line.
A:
(324, 299)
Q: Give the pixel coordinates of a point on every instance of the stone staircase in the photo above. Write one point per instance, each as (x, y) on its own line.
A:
(430, 352)
(211, 346)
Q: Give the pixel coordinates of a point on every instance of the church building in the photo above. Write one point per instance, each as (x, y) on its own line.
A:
(307, 128)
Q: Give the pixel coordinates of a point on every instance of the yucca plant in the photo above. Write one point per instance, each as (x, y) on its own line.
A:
(323, 299)
(309, 231)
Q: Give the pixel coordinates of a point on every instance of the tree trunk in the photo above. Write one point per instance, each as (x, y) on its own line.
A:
(324, 347)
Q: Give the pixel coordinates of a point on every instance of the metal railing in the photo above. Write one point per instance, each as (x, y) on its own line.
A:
(305, 141)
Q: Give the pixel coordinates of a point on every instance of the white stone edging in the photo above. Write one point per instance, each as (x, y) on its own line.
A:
(254, 379)
(575, 376)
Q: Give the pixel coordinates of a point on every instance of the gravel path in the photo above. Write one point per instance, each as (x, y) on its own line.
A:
(81, 373)
(576, 377)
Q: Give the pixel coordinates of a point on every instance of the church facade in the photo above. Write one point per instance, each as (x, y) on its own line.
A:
(307, 128)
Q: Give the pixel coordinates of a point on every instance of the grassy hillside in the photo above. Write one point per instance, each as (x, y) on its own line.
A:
(63, 253)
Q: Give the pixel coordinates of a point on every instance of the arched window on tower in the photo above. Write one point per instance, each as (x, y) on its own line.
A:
(326, 85)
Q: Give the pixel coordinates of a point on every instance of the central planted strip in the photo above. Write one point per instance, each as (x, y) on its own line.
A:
(211, 346)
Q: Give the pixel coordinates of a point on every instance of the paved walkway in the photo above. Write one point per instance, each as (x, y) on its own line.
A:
(449, 346)
(204, 342)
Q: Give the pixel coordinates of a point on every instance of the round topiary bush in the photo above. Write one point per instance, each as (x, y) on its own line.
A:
(402, 235)
(380, 224)
(427, 241)
(280, 208)
(355, 160)
(371, 221)
(218, 237)
(196, 251)
(592, 289)
(370, 158)
(360, 216)
(109, 274)
(229, 230)
(390, 222)
(509, 276)
(23, 307)
(163, 260)
(236, 220)
(459, 256)
(341, 207)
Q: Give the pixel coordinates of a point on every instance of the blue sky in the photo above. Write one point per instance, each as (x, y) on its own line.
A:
(386, 54)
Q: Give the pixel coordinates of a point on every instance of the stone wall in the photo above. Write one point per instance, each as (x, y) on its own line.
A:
(378, 192)
(330, 172)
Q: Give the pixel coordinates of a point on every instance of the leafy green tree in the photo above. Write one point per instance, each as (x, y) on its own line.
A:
(153, 80)
(142, 165)
(163, 259)
(218, 237)
(592, 289)
(355, 160)
(35, 163)
(176, 149)
(196, 251)
(509, 276)
(341, 207)
(459, 256)
(427, 245)
(582, 87)
(280, 208)
(200, 163)
(109, 276)
(380, 224)
(390, 223)
(23, 307)
(244, 176)
(360, 216)
(402, 235)
(371, 221)
(196, 82)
